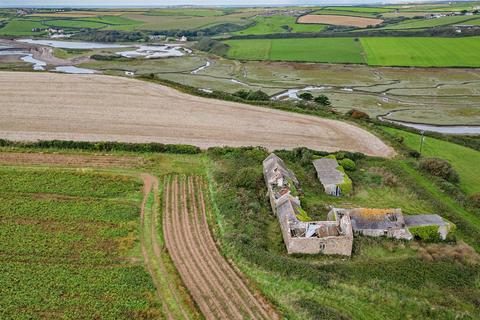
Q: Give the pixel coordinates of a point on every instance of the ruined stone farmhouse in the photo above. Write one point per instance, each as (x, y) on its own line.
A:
(378, 222)
(335, 236)
(327, 237)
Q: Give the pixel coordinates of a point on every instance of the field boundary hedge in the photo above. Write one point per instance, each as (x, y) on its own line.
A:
(152, 147)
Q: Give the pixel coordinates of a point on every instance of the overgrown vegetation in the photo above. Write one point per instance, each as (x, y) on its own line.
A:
(440, 168)
(250, 235)
(211, 46)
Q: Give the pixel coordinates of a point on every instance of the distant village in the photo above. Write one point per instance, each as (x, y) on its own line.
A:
(336, 235)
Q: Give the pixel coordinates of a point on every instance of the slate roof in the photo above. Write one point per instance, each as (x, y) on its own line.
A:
(378, 219)
(327, 171)
(273, 162)
(425, 220)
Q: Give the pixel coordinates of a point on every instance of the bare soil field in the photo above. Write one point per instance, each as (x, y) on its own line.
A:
(99, 108)
(339, 20)
(218, 290)
(17, 158)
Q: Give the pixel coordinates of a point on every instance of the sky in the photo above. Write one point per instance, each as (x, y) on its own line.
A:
(158, 3)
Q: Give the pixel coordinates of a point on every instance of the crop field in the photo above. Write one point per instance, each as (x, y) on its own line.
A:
(215, 286)
(117, 264)
(378, 51)
(161, 114)
(460, 157)
(278, 24)
(340, 50)
(422, 52)
(339, 20)
(68, 243)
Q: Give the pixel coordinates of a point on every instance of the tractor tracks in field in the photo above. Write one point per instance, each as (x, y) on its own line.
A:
(218, 290)
(173, 301)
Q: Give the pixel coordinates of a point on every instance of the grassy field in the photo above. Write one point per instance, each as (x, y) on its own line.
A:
(278, 24)
(385, 279)
(68, 247)
(463, 159)
(379, 51)
(345, 13)
(341, 50)
(429, 23)
(422, 52)
(184, 21)
(21, 27)
(359, 9)
(24, 26)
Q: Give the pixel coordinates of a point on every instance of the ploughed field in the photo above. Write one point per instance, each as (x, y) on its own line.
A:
(97, 108)
(339, 20)
(215, 286)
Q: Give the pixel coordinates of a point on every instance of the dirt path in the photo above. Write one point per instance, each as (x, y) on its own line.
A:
(97, 108)
(218, 290)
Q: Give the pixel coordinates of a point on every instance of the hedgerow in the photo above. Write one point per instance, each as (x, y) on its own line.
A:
(103, 146)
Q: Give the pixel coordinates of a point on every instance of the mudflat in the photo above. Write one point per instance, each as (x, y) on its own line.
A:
(40, 105)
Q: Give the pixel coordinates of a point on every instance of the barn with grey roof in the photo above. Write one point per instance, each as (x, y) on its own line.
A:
(330, 175)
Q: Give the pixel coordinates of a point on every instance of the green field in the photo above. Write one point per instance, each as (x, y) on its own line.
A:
(378, 51)
(474, 22)
(340, 50)
(463, 159)
(360, 9)
(278, 24)
(422, 52)
(68, 246)
(189, 12)
(345, 13)
(24, 26)
(429, 23)
(20, 27)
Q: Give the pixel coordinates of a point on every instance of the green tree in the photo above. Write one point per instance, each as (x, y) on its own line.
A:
(323, 100)
(307, 96)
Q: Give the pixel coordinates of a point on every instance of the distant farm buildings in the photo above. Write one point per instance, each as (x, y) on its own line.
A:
(335, 236)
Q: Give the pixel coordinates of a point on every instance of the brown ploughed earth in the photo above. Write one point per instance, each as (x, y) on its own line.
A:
(17, 158)
(46, 106)
(339, 20)
(219, 291)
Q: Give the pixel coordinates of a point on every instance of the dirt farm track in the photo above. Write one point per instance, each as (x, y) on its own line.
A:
(95, 108)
